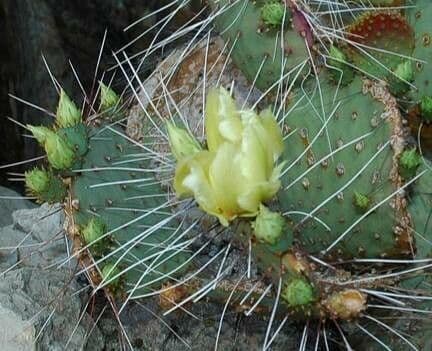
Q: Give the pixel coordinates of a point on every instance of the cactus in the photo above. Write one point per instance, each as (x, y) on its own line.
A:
(108, 182)
(336, 224)
(255, 41)
(341, 162)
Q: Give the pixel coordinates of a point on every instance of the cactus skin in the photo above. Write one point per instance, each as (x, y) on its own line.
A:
(383, 30)
(372, 238)
(419, 17)
(257, 45)
(98, 213)
(115, 204)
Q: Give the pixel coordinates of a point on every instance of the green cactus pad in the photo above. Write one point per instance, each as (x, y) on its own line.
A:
(419, 17)
(129, 200)
(358, 129)
(257, 48)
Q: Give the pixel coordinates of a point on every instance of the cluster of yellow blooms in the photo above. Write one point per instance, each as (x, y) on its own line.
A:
(237, 171)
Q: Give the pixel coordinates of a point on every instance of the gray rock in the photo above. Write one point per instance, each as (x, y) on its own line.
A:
(40, 303)
(42, 308)
(10, 203)
(16, 247)
(44, 226)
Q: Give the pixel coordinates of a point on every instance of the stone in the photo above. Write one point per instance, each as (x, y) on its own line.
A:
(11, 203)
(43, 308)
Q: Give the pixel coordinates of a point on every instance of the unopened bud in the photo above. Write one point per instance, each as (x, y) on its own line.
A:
(59, 153)
(268, 225)
(108, 98)
(298, 292)
(40, 133)
(68, 114)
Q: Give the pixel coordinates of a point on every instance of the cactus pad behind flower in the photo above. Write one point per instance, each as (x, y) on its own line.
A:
(340, 149)
(264, 53)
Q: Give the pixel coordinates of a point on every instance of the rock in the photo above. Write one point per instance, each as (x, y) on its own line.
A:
(40, 310)
(15, 247)
(41, 304)
(44, 226)
(13, 203)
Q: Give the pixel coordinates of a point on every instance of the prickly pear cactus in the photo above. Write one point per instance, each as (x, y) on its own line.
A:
(118, 214)
(317, 185)
(343, 158)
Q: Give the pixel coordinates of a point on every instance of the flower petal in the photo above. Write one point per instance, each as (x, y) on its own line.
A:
(226, 180)
(220, 107)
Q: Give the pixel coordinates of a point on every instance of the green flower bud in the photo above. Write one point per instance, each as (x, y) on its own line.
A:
(182, 143)
(37, 180)
(298, 292)
(94, 230)
(361, 201)
(337, 56)
(272, 13)
(268, 225)
(45, 186)
(108, 98)
(426, 107)
(409, 161)
(108, 272)
(68, 114)
(40, 133)
(405, 71)
(60, 154)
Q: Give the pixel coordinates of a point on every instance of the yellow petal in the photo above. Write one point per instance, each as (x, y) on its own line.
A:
(226, 180)
(271, 133)
(200, 160)
(254, 158)
(255, 195)
(222, 121)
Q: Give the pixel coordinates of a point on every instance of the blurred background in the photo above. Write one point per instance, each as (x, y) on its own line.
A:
(64, 32)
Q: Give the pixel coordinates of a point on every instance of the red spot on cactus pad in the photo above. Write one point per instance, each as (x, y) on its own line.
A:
(389, 32)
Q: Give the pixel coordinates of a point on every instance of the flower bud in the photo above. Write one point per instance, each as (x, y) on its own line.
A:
(108, 98)
(338, 60)
(298, 292)
(426, 107)
(346, 305)
(182, 143)
(272, 12)
(361, 201)
(37, 180)
(268, 225)
(40, 133)
(45, 186)
(68, 114)
(405, 71)
(60, 154)
(409, 161)
(93, 231)
(109, 271)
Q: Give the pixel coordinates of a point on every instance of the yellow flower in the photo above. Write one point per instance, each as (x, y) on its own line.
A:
(237, 172)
